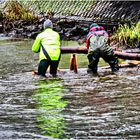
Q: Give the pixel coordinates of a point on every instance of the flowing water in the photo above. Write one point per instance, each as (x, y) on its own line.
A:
(73, 106)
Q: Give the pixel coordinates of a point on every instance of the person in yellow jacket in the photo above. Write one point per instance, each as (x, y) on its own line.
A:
(47, 44)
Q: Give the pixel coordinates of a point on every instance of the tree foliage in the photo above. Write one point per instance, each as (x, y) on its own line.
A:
(13, 10)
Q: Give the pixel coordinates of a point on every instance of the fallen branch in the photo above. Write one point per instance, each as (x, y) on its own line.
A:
(123, 66)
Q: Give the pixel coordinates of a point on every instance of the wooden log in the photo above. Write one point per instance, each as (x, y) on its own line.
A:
(122, 55)
(74, 50)
(129, 56)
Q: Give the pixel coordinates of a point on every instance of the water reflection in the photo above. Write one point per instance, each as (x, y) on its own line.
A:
(50, 106)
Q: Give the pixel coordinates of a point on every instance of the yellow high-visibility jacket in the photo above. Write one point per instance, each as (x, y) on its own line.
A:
(50, 41)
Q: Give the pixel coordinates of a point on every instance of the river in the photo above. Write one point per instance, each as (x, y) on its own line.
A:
(72, 106)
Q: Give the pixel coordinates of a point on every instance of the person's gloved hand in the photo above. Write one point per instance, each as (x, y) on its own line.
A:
(81, 41)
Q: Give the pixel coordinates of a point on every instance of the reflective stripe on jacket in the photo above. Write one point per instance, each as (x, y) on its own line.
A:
(95, 31)
(50, 41)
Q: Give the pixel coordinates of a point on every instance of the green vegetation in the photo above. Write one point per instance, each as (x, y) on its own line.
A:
(65, 58)
(13, 10)
(128, 36)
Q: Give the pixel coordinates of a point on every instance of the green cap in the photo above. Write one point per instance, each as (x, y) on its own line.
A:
(93, 25)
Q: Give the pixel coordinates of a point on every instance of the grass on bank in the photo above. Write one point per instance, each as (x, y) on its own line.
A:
(127, 36)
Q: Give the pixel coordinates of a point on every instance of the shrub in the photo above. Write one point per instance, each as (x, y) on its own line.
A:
(128, 36)
(15, 11)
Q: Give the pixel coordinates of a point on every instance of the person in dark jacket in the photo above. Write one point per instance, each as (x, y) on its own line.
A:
(97, 45)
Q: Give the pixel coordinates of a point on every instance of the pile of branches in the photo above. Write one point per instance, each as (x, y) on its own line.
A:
(18, 22)
(14, 17)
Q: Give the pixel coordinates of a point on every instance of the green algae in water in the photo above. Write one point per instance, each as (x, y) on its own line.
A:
(82, 58)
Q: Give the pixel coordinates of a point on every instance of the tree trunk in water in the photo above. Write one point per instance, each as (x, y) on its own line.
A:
(122, 55)
(129, 56)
